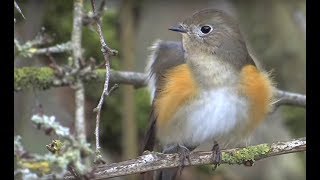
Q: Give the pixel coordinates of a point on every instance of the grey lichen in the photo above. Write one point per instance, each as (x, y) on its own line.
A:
(49, 123)
(65, 152)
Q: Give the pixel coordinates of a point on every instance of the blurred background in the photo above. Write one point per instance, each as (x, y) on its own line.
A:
(275, 31)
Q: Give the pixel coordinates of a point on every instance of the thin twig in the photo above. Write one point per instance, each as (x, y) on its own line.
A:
(18, 8)
(151, 161)
(106, 54)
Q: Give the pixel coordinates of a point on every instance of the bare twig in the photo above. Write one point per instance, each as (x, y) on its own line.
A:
(106, 54)
(91, 19)
(151, 161)
(18, 8)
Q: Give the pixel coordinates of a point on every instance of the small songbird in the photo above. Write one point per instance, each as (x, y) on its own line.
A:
(205, 89)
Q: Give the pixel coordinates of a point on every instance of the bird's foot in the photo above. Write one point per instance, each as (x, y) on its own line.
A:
(216, 155)
(184, 153)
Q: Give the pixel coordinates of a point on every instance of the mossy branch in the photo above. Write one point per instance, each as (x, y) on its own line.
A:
(34, 77)
(151, 161)
(29, 49)
(45, 78)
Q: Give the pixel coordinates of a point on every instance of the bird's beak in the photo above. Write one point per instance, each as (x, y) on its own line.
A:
(178, 28)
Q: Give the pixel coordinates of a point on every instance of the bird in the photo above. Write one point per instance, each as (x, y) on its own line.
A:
(204, 89)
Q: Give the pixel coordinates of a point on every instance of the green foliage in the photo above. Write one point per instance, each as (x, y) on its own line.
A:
(142, 99)
(295, 120)
(58, 19)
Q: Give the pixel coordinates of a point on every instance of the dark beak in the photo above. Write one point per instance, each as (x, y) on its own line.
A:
(178, 28)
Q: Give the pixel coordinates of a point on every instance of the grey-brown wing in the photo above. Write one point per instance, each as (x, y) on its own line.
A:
(165, 55)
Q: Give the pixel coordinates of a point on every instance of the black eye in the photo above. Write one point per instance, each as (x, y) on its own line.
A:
(205, 29)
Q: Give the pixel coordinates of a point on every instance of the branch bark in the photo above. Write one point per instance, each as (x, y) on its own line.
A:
(79, 122)
(129, 125)
(58, 48)
(289, 98)
(31, 77)
(107, 52)
(151, 161)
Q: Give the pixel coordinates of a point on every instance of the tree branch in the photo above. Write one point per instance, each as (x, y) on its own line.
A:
(289, 98)
(79, 123)
(32, 77)
(151, 161)
(18, 8)
(107, 52)
(58, 48)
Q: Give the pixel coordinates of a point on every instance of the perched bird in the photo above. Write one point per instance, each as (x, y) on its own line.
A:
(204, 89)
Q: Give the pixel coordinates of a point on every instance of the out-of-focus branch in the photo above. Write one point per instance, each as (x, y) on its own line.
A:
(28, 49)
(18, 8)
(151, 161)
(44, 78)
(79, 123)
(59, 48)
(129, 139)
(289, 98)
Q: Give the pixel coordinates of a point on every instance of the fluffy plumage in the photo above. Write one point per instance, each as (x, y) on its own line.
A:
(207, 88)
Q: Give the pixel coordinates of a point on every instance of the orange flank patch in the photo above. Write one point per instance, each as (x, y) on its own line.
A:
(258, 88)
(179, 88)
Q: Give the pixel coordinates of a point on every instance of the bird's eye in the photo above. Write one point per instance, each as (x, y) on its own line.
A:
(205, 29)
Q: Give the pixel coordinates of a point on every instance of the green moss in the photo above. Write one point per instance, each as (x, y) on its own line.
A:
(245, 154)
(33, 77)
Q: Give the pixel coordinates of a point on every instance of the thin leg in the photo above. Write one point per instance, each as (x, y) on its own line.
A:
(184, 154)
(217, 156)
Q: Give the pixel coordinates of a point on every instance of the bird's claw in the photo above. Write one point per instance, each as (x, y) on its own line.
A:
(216, 155)
(184, 153)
